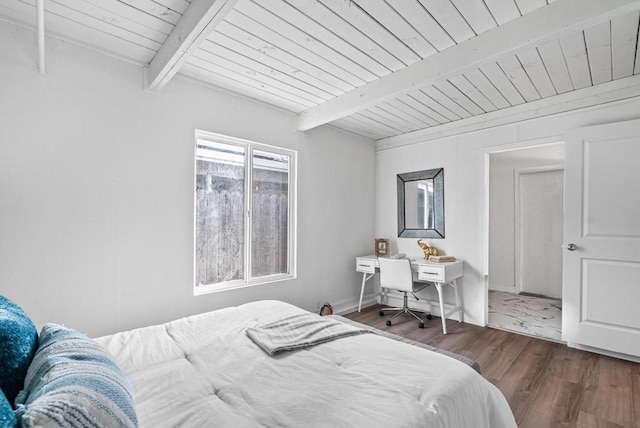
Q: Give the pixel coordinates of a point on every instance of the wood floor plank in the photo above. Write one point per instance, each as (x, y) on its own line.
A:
(607, 395)
(547, 384)
(499, 358)
(557, 405)
(586, 420)
(573, 365)
(526, 377)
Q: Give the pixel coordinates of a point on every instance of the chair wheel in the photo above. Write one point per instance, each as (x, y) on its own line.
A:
(429, 317)
(421, 325)
(388, 322)
(381, 313)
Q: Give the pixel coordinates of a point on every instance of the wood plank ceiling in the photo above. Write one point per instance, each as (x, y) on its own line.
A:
(318, 58)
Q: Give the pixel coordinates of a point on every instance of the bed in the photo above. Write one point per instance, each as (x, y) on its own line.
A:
(205, 370)
(261, 364)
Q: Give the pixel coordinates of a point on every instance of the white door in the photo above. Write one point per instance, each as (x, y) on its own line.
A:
(601, 263)
(539, 218)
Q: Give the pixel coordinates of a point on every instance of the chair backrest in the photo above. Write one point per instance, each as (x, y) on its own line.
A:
(396, 274)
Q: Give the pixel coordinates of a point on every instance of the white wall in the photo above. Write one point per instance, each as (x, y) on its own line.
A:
(502, 169)
(464, 159)
(96, 191)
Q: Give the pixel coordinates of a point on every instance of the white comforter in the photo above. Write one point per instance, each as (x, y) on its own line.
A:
(204, 371)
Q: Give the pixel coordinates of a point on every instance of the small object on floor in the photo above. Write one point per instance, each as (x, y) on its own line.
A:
(326, 309)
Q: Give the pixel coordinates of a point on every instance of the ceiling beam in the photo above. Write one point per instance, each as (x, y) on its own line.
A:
(198, 21)
(621, 90)
(532, 29)
(41, 47)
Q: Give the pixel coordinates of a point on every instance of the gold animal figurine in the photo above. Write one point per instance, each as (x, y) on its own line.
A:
(428, 251)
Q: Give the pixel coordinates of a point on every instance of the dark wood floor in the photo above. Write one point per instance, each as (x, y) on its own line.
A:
(547, 384)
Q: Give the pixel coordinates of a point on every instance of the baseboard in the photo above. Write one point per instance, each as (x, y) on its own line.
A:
(346, 306)
(504, 288)
(632, 358)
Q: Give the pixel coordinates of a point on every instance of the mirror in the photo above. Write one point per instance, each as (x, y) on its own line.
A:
(421, 204)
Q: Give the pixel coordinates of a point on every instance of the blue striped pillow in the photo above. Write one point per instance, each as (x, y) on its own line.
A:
(72, 382)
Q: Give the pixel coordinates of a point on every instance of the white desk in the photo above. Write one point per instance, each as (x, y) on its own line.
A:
(440, 274)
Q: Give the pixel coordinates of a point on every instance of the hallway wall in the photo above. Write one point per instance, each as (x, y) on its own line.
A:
(502, 232)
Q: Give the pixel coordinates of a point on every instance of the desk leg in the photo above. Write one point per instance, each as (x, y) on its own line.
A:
(460, 312)
(442, 312)
(364, 280)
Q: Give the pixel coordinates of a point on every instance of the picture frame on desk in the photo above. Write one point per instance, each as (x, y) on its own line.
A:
(382, 247)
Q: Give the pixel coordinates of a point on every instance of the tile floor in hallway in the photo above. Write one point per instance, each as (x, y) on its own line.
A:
(534, 316)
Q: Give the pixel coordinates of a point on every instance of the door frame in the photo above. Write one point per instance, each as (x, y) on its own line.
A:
(488, 151)
(518, 215)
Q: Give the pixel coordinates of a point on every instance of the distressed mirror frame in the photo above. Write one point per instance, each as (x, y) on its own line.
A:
(437, 231)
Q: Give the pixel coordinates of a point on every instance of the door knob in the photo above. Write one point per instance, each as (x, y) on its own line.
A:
(572, 247)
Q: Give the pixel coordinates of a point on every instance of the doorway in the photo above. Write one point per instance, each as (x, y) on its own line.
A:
(525, 237)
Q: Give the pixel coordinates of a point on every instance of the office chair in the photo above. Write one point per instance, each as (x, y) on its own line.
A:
(397, 274)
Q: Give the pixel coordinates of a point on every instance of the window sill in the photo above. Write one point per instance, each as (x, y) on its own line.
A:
(199, 290)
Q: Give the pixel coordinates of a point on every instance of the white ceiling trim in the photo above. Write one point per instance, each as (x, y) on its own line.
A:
(546, 23)
(198, 21)
(614, 91)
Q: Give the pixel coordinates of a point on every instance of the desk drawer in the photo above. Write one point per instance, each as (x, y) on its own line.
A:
(431, 273)
(365, 265)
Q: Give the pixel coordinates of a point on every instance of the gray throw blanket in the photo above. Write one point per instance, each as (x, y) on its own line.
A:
(300, 331)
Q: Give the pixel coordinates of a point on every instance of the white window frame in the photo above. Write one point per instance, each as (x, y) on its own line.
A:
(249, 146)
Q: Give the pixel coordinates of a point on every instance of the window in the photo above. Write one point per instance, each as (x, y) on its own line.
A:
(244, 213)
